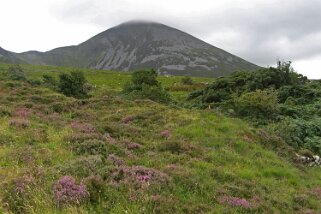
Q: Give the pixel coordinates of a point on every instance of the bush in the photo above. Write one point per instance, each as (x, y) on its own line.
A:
(73, 84)
(82, 166)
(144, 77)
(67, 192)
(174, 147)
(187, 81)
(49, 82)
(16, 73)
(96, 188)
(90, 147)
(144, 85)
(18, 194)
(300, 133)
(249, 81)
(258, 104)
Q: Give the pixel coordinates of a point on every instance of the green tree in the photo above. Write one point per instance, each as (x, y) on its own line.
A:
(144, 84)
(16, 72)
(73, 84)
(187, 81)
(144, 77)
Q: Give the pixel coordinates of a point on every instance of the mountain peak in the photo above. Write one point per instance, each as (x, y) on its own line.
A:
(144, 44)
(139, 22)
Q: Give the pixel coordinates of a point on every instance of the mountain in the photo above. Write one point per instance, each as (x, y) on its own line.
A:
(135, 45)
(9, 57)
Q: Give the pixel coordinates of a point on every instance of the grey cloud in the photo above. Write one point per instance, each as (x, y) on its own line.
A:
(289, 29)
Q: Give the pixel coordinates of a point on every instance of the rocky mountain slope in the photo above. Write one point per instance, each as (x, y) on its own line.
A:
(9, 57)
(134, 45)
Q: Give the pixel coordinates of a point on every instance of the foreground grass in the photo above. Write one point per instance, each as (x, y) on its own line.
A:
(200, 162)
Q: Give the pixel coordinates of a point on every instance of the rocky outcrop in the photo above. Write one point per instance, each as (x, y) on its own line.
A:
(310, 161)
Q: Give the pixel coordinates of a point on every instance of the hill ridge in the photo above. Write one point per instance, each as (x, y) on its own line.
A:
(142, 44)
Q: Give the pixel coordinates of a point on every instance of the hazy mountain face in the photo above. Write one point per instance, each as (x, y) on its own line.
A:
(136, 45)
(8, 57)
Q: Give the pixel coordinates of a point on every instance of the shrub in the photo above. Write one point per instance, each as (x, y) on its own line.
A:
(6, 139)
(16, 73)
(187, 81)
(257, 104)
(66, 191)
(19, 123)
(49, 82)
(115, 160)
(90, 147)
(147, 77)
(82, 166)
(83, 127)
(174, 147)
(222, 89)
(18, 194)
(144, 85)
(96, 187)
(234, 201)
(300, 133)
(4, 111)
(22, 113)
(139, 175)
(166, 134)
(73, 84)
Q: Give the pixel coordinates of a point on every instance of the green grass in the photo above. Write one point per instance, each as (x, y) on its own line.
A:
(206, 157)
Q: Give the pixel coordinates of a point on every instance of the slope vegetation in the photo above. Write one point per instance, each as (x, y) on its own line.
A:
(107, 154)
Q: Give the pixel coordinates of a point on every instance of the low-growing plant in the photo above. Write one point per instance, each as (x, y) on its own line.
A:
(139, 175)
(187, 81)
(18, 194)
(19, 123)
(96, 187)
(90, 147)
(67, 192)
(82, 166)
(50, 82)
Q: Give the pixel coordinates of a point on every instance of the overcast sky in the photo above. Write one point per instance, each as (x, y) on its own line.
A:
(259, 31)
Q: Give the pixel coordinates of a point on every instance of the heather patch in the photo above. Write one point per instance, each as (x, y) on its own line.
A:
(82, 166)
(81, 137)
(239, 202)
(130, 145)
(90, 147)
(115, 160)
(140, 175)
(67, 192)
(127, 119)
(18, 194)
(22, 113)
(166, 134)
(19, 123)
(85, 128)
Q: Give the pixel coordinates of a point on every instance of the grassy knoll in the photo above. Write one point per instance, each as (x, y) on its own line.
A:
(138, 156)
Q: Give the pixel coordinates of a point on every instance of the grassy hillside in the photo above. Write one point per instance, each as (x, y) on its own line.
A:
(138, 156)
(106, 80)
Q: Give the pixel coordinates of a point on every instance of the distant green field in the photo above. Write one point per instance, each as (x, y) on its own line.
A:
(109, 80)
